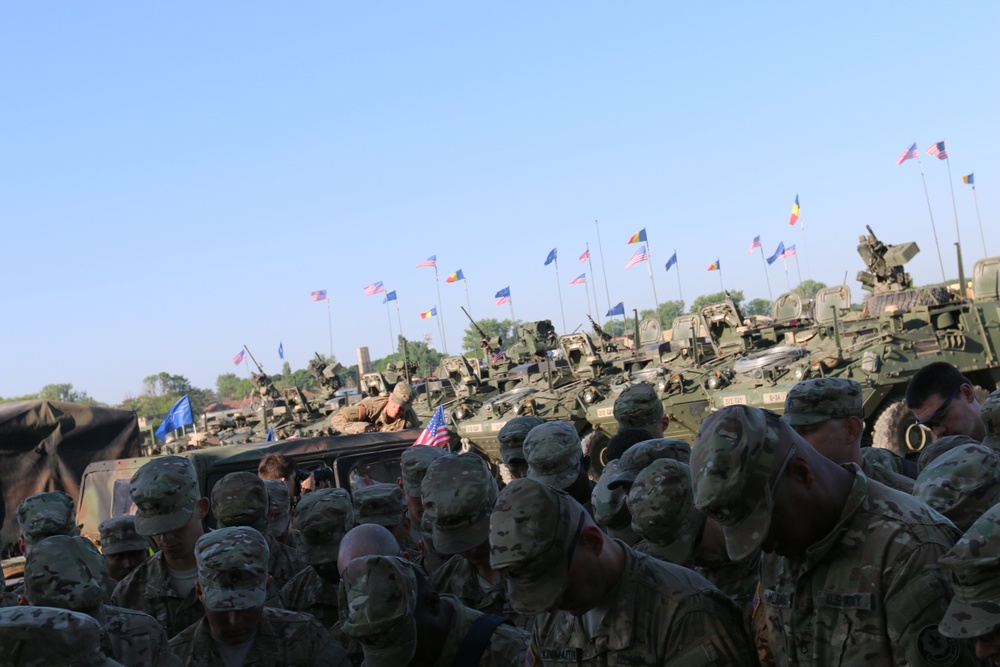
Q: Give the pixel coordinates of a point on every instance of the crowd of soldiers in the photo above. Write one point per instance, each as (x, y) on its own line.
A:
(772, 540)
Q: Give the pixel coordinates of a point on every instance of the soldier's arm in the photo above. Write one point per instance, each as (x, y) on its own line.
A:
(351, 419)
(709, 632)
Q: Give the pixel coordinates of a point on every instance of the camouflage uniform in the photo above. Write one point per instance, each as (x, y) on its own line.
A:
(279, 510)
(868, 592)
(68, 573)
(45, 514)
(888, 460)
(554, 454)
(118, 535)
(990, 413)
(974, 566)
(232, 571)
(638, 406)
(323, 517)
(657, 613)
(511, 438)
(961, 483)
(382, 504)
(941, 446)
(610, 511)
(413, 464)
(369, 414)
(378, 603)
(641, 454)
(48, 637)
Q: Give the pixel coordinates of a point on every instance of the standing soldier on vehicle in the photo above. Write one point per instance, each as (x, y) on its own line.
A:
(379, 413)
(123, 548)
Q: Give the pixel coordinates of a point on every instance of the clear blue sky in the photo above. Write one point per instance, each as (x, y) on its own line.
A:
(176, 178)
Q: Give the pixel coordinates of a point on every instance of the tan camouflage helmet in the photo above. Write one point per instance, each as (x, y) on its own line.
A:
(974, 566)
(512, 436)
(990, 414)
(414, 462)
(165, 492)
(641, 454)
(50, 637)
(279, 507)
(118, 536)
(402, 394)
(378, 599)
(232, 568)
(639, 406)
(323, 517)
(961, 483)
(554, 453)
(458, 494)
(45, 514)
(818, 399)
(240, 499)
(941, 446)
(379, 503)
(663, 510)
(533, 531)
(609, 504)
(65, 572)
(738, 455)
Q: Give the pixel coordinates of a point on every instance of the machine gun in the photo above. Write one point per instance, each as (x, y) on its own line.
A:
(264, 389)
(492, 350)
(326, 376)
(606, 344)
(885, 264)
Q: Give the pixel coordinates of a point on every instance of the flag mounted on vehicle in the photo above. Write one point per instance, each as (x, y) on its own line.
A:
(436, 433)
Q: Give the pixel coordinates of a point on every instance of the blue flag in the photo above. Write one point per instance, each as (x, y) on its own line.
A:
(617, 310)
(672, 260)
(390, 296)
(281, 350)
(551, 258)
(270, 435)
(777, 253)
(179, 415)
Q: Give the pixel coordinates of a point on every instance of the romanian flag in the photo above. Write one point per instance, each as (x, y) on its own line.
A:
(795, 212)
(455, 277)
(427, 314)
(638, 237)
(715, 266)
(968, 180)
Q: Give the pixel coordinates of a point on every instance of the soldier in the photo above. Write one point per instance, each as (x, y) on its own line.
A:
(990, 414)
(43, 515)
(48, 637)
(974, 566)
(170, 509)
(378, 413)
(413, 464)
(942, 446)
(640, 455)
(555, 457)
(610, 510)
(598, 601)
(961, 484)
(280, 467)
(391, 608)
(68, 573)
(370, 539)
(124, 549)
(324, 516)
(854, 578)
(638, 406)
(237, 627)
(623, 439)
(511, 438)
(828, 413)
(240, 499)
(943, 400)
(279, 507)
(383, 504)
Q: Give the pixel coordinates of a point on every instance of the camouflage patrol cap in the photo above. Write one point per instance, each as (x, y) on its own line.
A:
(378, 598)
(641, 454)
(458, 494)
(232, 568)
(402, 394)
(322, 517)
(738, 455)
(638, 406)
(553, 451)
(414, 462)
(990, 413)
(50, 637)
(961, 483)
(45, 514)
(279, 506)
(818, 399)
(609, 504)
(974, 566)
(165, 492)
(663, 511)
(512, 436)
(533, 530)
(65, 572)
(118, 535)
(240, 499)
(884, 459)
(379, 503)
(942, 446)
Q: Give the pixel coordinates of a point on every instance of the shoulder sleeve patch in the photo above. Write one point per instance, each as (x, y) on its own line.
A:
(937, 650)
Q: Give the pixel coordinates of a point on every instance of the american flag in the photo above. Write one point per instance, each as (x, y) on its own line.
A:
(503, 296)
(585, 256)
(436, 433)
(319, 295)
(640, 256)
(789, 252)
(909, 154)
(579, 280)
(938, 151)
(498, 356)
(755, 244)
(374, 288)
(430, 261)
(238, 359)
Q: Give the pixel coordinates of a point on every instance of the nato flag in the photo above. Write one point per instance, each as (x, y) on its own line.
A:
(281, 350)
(270, 435)
(551, 258)
(617, 310)
(179, 415)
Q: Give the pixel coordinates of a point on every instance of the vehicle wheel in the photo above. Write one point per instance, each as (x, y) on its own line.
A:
(595, 445)
(896, 429)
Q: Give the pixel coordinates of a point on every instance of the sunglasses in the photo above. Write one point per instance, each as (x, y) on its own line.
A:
(940, 414)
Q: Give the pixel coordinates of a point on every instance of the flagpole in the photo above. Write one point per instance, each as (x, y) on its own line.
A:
(931, 213)
(649, 268)
(388, 315)
(981, 235)
(805, 252)
(788, 280)
(440, 315)
(562, 311)
(954, 206)
(399, 319)
(590, 265)
(467, 301)
(720, 278)
(329, 321)
(511, 304)
(587, 288)
(798, 270)
(679, 292)
(604, 269)
(763, 263)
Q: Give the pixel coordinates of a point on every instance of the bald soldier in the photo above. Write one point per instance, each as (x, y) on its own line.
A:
(853, 578)
(378, 413)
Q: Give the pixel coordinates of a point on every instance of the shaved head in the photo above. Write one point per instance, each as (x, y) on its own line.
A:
(368, 539)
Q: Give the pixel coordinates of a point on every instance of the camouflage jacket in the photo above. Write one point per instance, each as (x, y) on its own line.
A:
(310, 593)
(508, 645)
(870, 592)
(885, 476)
(284, 639)
(659, 614)
(458, 577)
(133, 638)
(370, 413)
(147, 589)
(283, 564)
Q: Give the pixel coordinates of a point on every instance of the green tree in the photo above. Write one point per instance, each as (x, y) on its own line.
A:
(231, 387)
(166, 384)
(807, 289)
(426, 359)
(705, 299)
(666, 313)
(757, 307)
(614, 327)
(65, 393)
(505, 329)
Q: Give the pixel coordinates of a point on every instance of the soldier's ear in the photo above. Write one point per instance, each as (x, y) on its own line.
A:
(201, 508)
(199, 592)
(22, 601)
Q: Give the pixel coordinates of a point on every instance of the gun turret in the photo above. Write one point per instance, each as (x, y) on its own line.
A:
(491, 345)
(884, 264)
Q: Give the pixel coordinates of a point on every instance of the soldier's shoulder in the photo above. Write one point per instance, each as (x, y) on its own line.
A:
(125, 618)
(137, 578)
(286, 622)
(892, 512)
(181, 642)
